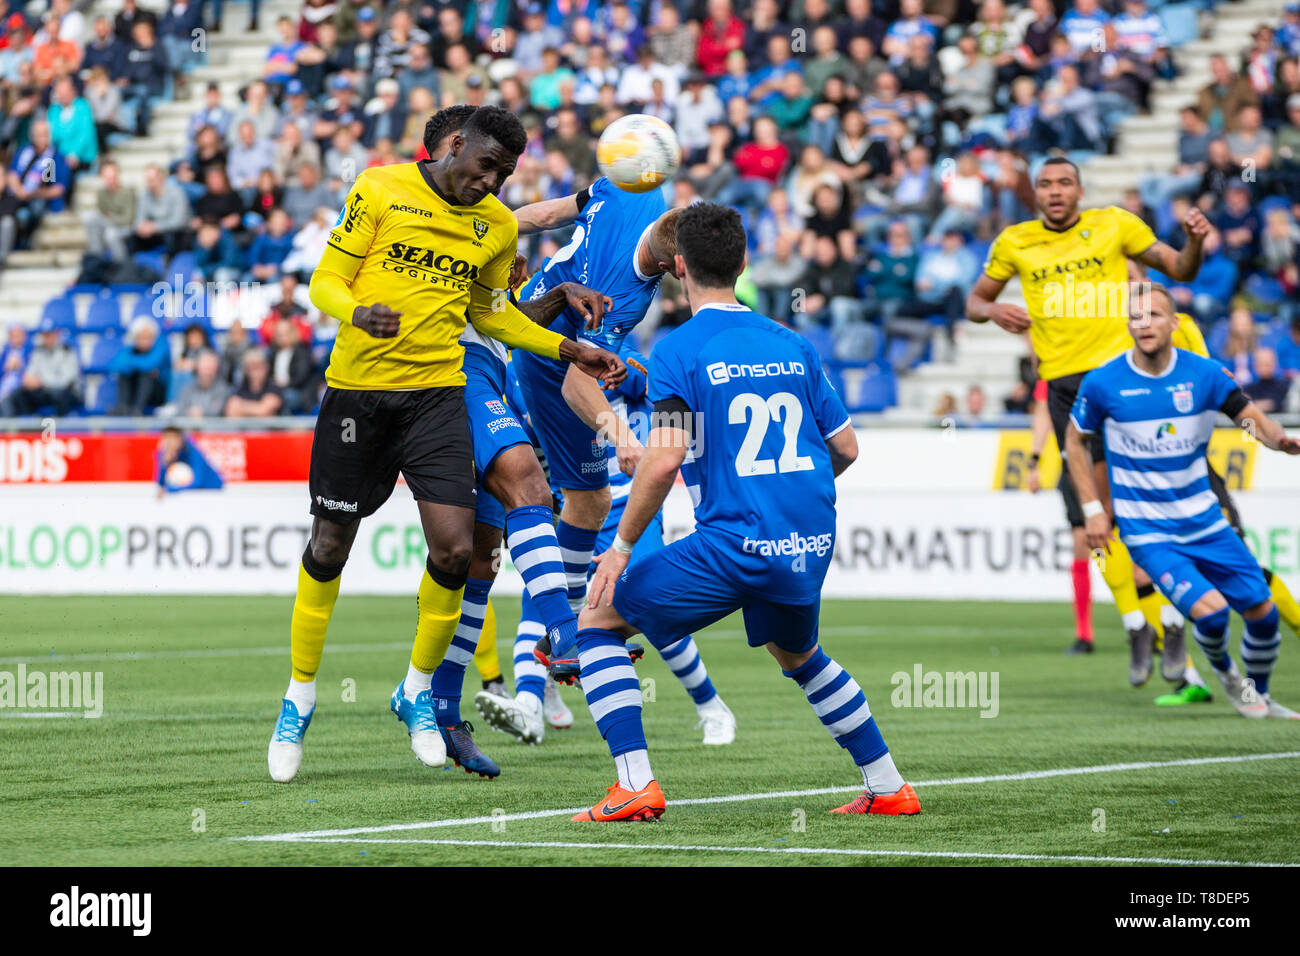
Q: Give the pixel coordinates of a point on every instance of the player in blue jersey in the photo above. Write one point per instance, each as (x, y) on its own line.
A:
(768, 433)
(513, 497)
(522, 716)
(1156, 407)
(622, 244)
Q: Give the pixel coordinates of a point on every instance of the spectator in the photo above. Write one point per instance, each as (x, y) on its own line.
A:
(1268, 390)
(13, 359)
(1206, 296)
(536, 36)
(1288, 350)
(142, 368)
(271, 247)
(309, 243)
(829, 290)
(180, 25)
(340, 110)
(51, 376)
(768, 78)
(292, 370)
(105, 101)
(759, 166)
(267, 195)
(635, 84)
(1240, 225)
(1239, 349)
(419, 73)
(219, 204)
(976, 403)
(671, 41)
(303, 199)
(145, 76)
(282, 57)
(248, 157)
(258, 110)
(297, 111)
(53, 55)
(831, 219)
(792, 104)
(570, 140)
(946, 406)
(968, 90)
(385, 115)
(34, 186)
(72, 127)
(720, 33)
(944, 278)
(1069, 113)
(236, 347)
(911, 22)
(162, 214)
(205, 395)
(1250, 143)
(965, 204)
(344, 160)
(104, 50)
(1221, 100)
(292, 151)
(111, 221)
(256, 396)
(127, 18)
(778, 272)
(212, 114)
(217, 255)
(859, 20)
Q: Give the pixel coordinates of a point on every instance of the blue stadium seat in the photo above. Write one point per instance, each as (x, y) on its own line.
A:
(157, 261)
(184, 264)
(105, 347)
(105, 313)
(101, 394)
(864, 386)
(821, 339)
(60, 312)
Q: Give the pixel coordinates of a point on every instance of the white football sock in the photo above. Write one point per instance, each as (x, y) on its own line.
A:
(634, 770)
(1134, 620)
(1169, 616)
(881, 776)
(417, 682)
(303, 695)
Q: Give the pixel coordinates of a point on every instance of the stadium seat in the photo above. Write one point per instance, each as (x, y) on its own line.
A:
(185, 265)
(105, 347)
(105, 313)
(157, 261)
(101, 394)
(60, 312)
(821, 339)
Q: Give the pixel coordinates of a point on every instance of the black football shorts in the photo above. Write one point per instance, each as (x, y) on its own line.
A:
(364, 439)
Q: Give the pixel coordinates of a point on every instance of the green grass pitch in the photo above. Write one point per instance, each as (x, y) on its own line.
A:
(176, 766)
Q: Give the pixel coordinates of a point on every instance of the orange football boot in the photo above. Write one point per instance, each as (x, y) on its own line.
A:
(648, 803)
(902, 803)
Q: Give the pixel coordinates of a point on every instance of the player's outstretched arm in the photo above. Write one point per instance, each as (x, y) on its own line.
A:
(547, 214)
(1266, 431)
(588, 303)
(1096, 524)
(1180, 266)
(982, 305)
(666, 450)
(589, 403)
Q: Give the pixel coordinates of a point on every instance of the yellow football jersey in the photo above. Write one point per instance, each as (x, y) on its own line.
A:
(1075, 284)
(1187, 336)
(399, 243)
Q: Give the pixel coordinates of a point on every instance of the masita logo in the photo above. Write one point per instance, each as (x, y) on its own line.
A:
(75, 908)
(413, 210)
(722, 372)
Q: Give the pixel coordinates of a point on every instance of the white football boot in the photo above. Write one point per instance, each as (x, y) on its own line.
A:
(1241, 692)
(718, 721)
(554, 709)
(520, 717)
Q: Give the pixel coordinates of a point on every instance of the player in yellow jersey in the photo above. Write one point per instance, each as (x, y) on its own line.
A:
(1073, 271)
(417, 250)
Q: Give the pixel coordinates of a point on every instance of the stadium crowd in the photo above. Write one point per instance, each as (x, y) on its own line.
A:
(873, 146)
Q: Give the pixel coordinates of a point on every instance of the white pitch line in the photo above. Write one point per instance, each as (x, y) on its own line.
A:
(811, 851)
(201, 653)
(774, 795)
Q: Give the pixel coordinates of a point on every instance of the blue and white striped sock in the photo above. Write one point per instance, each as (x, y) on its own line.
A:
(842, 708)
(613, 694)
(530, 675)
(1259, 646)
(1211, 632)
(683, 659)
(535, 551)
(449, 678)
(577, 545)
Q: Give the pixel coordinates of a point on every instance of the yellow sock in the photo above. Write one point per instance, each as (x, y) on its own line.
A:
(439, 613)
(1117, 570)
(1286, 604)
(311, 616)
(485, 658)
(1150, 604)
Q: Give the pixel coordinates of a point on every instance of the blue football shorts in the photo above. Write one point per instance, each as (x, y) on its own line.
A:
(493, 425)
(577, 455)
(1221, 562)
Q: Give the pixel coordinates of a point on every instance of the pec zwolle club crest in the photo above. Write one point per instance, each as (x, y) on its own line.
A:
(1183, 399)
(480, 228)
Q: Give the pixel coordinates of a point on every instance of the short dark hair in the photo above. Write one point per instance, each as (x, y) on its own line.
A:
(711, 239)
(1061, 160)
(494, 122)
(445, 121)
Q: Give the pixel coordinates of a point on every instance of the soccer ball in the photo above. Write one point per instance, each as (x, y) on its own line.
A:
(180, 475)
(638, 153)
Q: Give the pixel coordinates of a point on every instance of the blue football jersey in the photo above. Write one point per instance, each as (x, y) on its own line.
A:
(601, 255)
(762, 410)
(1156, 429)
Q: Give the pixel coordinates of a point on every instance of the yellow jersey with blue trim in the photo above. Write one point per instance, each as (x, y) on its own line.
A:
(400, 243)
